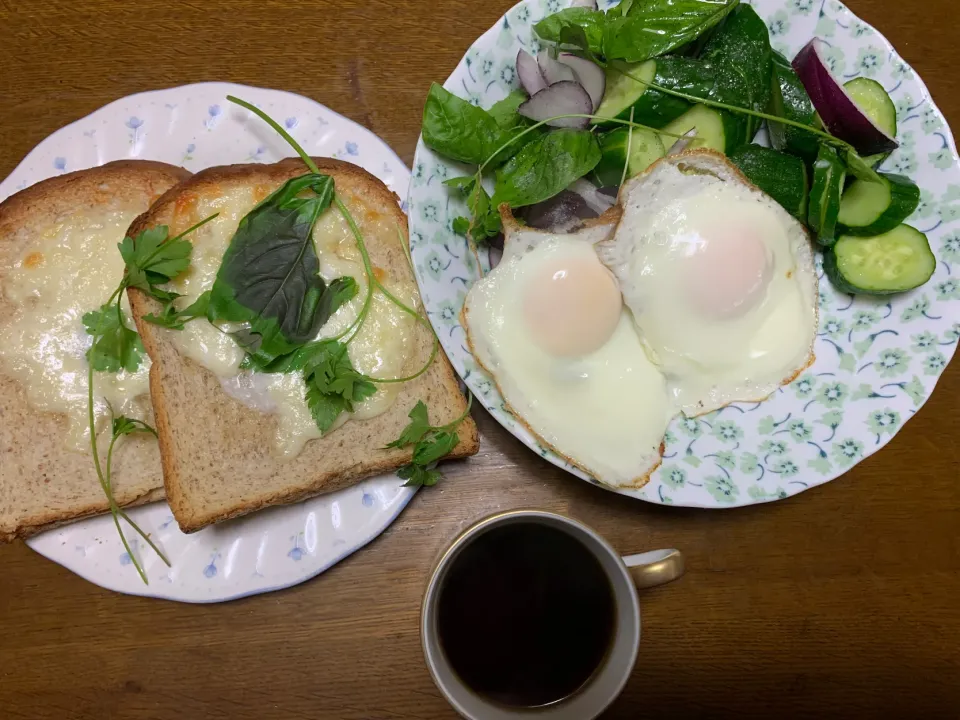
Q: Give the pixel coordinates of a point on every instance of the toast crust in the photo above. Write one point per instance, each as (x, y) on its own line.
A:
(42, 484)
(215, 451)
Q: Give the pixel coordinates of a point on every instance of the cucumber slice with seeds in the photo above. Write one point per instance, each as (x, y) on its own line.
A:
(870, 97)
(645, 148)
(829, 174)
(873, 208)
(716, 129)
(894, 262)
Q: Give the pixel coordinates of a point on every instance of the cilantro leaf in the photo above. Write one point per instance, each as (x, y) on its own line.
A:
(434, 446)
(115, 346)
(418, 476)
(175, 319)
(418, 427)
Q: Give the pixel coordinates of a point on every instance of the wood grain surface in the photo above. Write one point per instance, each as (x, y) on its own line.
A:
(840, 602)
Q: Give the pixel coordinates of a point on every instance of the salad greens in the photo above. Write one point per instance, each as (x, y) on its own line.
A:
(430, 443)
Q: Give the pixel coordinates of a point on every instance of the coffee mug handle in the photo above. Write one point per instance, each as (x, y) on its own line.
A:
(655, 567)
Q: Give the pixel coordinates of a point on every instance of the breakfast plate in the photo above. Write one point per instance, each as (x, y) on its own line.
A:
(877, 358)
(195, 127)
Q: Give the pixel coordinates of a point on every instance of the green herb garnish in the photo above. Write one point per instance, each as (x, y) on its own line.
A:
(430, 444)
(151, 259)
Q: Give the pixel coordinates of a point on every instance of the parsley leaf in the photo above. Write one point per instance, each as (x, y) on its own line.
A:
(175, 319)
(418, 427)
(115, 346)
(434, 446)
(418, 476)
(461, 226)
(127, 426)
(152, 259)
(333, 384)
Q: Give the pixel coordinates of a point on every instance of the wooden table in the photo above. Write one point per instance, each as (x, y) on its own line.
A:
(841, 602)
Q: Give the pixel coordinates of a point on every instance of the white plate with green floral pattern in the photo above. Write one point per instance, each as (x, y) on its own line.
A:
(878, 360)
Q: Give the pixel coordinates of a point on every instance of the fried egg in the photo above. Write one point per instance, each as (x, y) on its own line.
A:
(719, 278)
(548, 323)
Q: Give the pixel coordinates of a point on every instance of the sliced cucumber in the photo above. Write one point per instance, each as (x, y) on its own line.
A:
(783, 177)
(716, 129)
(896, 261)
(652, 107)
(645, 148)
(873, 208)
(870, 97)
(829, 174)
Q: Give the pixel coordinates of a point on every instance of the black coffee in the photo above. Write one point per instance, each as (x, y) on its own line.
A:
(526, 614)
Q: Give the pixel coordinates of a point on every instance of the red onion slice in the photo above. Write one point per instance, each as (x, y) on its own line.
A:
(529, 73)
(840, 114)
(562, 98)
(563, 213)
(597, 201)
(682, 143)
(554, 71)
(588, 74)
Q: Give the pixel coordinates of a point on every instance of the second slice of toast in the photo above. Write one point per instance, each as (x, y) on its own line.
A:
(218, 453)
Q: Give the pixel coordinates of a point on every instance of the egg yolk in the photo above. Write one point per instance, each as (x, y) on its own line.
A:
(572, 306)
(727, 271)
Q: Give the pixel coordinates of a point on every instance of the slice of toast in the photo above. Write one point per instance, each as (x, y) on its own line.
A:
(44, 481)
(217, 452)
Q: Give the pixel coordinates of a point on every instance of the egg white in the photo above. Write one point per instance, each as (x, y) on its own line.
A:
(605, 412)
(712, 361)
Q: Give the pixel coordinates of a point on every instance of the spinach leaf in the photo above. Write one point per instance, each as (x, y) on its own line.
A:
(461, 131)
(655, 27)
(504, 112)
(270, 278)
(545, 167)
(115, 346)
(789, 99)
(741, 53)
(555, 28)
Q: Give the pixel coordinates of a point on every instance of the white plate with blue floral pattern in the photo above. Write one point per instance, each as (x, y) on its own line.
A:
(877, 360)
(194, 126)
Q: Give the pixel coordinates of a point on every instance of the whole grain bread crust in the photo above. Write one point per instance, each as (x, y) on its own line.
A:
(42, 483)
(217, 462)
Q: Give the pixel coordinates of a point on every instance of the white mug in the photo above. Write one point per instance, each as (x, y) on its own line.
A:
(625, 574)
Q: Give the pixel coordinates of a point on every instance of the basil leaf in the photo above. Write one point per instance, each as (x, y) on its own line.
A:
(656, 27)
(115, 346)
(460, 131)
(269, 276)
(741, 53)
(545, 167)
(590, 22)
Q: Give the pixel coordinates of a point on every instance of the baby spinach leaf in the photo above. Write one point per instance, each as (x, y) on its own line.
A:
(556, 28)
(741, 53)
(115, 346)
(270, 278)
(655, 27)
(175, 319)
(460, 131)
(545, 167)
